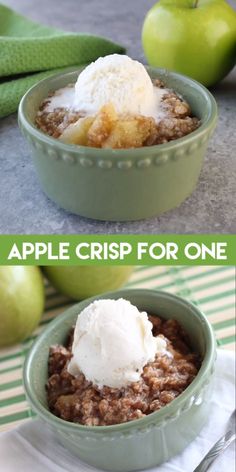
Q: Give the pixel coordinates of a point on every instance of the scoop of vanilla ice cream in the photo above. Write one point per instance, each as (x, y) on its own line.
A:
(113, 341)
(119, 80)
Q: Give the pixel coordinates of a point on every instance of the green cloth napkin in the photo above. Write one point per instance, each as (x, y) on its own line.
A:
(30, 52)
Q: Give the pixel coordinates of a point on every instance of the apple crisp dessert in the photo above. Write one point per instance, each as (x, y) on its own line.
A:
(107, 129)
(77, 400)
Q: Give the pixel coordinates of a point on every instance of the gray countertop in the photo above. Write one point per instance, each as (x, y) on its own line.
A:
(23, 206)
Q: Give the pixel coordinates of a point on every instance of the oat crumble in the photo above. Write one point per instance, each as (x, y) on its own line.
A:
(79, 401)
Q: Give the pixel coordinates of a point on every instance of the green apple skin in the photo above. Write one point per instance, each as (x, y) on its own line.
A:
(199, 42)
(21, 302)
(80, 282)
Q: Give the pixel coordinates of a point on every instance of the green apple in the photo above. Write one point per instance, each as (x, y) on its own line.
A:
(81, 282)
(21, 302)
(194, 37)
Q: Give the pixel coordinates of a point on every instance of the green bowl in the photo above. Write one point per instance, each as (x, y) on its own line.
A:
(141, 443)
(119, 185)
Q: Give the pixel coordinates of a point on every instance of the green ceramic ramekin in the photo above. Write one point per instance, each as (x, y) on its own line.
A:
(119, 185)
(141, 443)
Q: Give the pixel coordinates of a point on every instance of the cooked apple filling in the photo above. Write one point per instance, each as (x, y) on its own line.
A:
(108, 129)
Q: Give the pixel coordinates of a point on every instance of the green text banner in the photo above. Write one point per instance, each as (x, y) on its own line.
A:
(118, 249)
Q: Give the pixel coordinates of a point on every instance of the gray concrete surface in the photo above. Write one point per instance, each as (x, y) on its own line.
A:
(23, 206)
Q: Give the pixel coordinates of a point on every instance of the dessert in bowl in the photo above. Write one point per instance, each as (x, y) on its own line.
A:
(118, 365)
(159, 387)
(116, 140)
(114, 104)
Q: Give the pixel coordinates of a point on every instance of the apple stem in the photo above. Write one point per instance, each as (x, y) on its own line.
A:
(195, 4)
